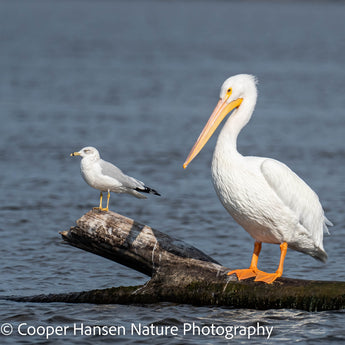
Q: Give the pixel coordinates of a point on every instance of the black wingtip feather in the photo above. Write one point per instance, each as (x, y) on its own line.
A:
(147, 190)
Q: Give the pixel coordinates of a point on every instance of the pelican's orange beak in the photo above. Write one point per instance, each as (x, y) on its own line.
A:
(220, 111)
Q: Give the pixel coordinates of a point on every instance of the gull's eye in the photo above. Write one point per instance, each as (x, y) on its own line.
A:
(87, 151)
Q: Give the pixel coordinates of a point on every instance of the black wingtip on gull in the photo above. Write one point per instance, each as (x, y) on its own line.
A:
(147, 190)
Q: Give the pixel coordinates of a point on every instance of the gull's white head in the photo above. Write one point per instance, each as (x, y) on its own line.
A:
(87, 152)
(237, 91)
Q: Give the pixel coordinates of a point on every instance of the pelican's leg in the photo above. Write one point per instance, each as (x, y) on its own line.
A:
(100, 202)
(269, 278)
(252, 271)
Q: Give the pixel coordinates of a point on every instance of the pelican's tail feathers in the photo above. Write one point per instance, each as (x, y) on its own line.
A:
(320, 255)
(326, 224)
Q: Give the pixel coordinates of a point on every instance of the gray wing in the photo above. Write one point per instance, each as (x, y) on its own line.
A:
(114, 172)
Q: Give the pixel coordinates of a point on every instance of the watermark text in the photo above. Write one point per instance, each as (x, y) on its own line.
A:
(137, 329)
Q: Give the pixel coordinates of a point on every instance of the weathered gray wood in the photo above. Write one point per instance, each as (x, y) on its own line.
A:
(136, 245)
(181, 273)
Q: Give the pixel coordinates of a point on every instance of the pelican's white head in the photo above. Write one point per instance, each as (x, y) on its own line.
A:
(236, 92)
(88, 152)
(239, 86)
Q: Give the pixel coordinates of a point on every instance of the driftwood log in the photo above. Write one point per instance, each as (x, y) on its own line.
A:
(181, 273)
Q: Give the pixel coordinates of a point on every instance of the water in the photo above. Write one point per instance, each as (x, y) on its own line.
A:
(138, 80)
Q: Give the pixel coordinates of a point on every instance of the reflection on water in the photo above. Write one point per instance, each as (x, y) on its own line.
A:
(138, 80)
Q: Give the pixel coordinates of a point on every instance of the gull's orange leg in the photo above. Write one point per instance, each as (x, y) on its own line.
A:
(100, 202)
(107, 208)
(252, 271)
(269, 278)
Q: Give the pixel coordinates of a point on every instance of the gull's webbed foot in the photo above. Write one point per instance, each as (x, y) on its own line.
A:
(101, 208)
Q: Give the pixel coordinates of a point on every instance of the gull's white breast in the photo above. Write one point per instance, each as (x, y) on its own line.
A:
(91, 172)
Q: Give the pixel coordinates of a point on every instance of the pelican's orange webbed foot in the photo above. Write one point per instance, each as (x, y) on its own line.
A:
(244, 273)
(268, 278)
(252, 271)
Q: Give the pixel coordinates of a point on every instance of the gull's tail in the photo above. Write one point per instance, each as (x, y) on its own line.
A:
(148, 190)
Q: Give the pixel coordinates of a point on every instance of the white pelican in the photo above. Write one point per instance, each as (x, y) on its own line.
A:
(263, 195)
(106, 177)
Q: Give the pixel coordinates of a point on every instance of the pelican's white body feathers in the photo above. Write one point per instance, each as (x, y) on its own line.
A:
(263, 195)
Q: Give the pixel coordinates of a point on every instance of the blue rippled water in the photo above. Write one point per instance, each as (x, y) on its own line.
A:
(138, 80)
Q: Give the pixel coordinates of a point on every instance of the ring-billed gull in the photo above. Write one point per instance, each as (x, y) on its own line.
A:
(106, 177)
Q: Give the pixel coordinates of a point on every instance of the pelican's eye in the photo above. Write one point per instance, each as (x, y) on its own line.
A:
(229, 91)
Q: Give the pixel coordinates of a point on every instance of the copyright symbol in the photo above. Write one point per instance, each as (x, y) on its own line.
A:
(6, 329)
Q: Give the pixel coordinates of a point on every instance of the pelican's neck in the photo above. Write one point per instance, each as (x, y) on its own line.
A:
(227, 139)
